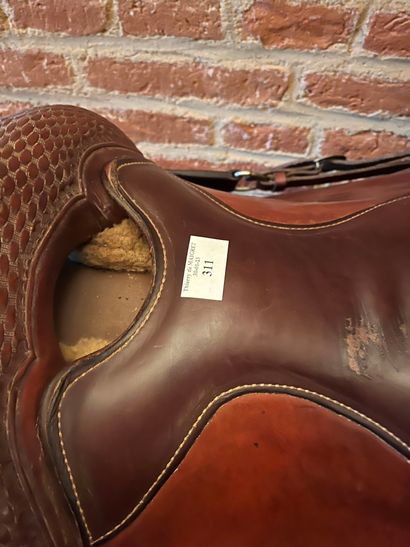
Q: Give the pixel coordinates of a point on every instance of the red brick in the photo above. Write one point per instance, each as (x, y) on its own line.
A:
(159, 127)
(364, 144)
(389, 34)
(266, 137)
(278, 23)
(259, 87)
(33, 69)
(9, 108)
(190, 18)
(363, 95)
(76, 17)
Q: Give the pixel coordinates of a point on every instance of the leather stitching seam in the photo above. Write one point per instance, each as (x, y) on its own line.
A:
(302, 228)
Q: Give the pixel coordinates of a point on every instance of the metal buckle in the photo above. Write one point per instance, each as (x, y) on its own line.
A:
(239, 174)
(266, 181)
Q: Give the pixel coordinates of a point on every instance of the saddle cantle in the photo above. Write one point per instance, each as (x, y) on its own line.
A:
(276, 415)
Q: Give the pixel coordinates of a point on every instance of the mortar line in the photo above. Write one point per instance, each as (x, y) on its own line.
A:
(221, 53)
(290, 114)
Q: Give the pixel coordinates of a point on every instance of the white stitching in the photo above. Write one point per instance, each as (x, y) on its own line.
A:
(281, 226)
(222, 395)
(300, 228)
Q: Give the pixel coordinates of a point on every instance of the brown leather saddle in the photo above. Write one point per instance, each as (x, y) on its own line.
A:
(260, 395)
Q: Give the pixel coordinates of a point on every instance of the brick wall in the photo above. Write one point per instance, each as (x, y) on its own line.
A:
(211, 82)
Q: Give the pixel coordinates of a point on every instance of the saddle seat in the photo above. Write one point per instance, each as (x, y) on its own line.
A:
(259, 396)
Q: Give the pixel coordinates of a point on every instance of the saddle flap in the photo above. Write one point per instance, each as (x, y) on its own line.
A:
(317, 311)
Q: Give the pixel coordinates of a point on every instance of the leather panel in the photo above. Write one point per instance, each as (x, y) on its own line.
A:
(307, 206)
(279, 470)
(322, 308)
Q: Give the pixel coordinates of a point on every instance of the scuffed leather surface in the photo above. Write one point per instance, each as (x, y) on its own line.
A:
(298, 302)
(40, 154)
(275, 470)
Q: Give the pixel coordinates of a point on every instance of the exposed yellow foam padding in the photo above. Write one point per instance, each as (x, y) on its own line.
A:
(122, 247)
(83, 347)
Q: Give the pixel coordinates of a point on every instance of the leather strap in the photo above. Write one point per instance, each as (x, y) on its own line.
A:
(302, 173)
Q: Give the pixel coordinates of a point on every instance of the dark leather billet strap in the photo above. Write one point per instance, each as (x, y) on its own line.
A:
(301, 173)
(218, 180)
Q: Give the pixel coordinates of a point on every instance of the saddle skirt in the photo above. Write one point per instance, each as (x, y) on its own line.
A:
(284, 319)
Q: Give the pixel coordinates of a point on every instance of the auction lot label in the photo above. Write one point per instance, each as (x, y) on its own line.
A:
(205, 266)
